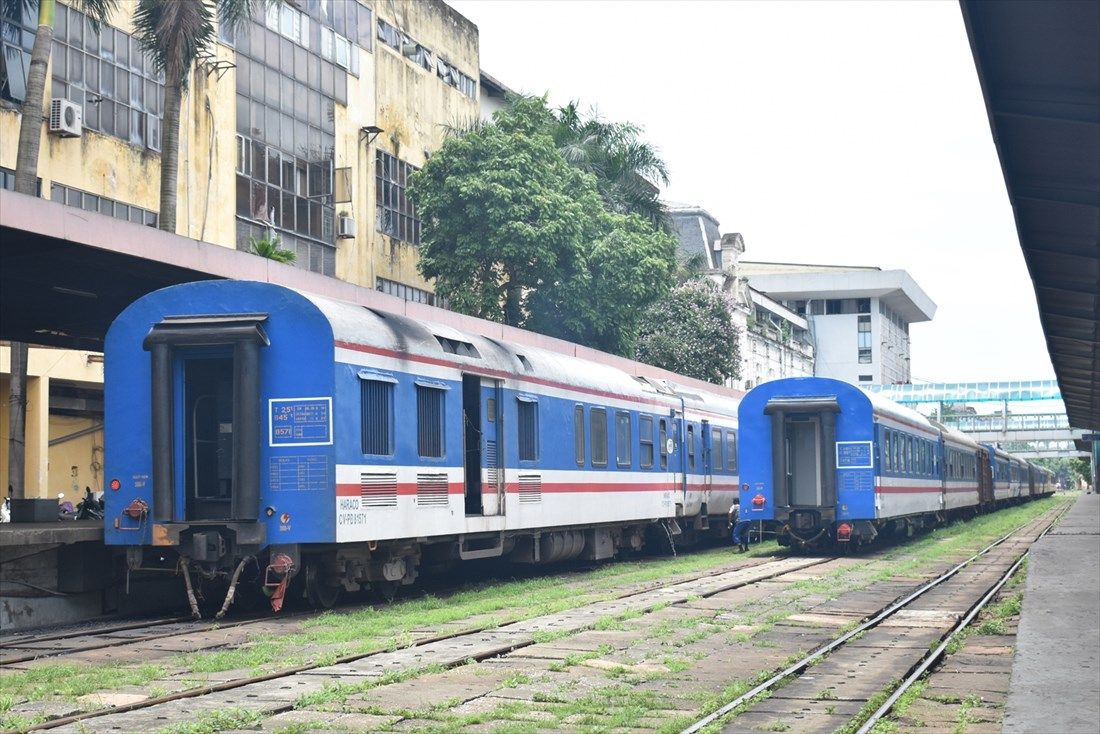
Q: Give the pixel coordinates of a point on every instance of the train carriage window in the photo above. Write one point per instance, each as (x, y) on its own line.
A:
(731, 451)
(645, 441)
(376, 399)
(662, 442)
(528, 424)
(898, 467)
(598, 418)
(887, 445)
(716, 449)
(429, 421)
(623, 440)
(691, 447)
(578, 434)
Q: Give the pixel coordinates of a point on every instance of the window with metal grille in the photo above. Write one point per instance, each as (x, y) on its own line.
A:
(578, 434)
(598, 418)
(528, 422)
(622, 439)
(716, 449)
(377, 419)
(92, 203)
(731, 451)
(662, 442)
(645, 441)
(395, 214)
(429, 421)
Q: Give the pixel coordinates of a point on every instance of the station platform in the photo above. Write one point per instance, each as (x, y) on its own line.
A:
(1056, 673)
(62, 532)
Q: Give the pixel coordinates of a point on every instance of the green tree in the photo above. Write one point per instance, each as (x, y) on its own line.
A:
(503, 214)
(625, 269)
(32, 115)
(174, 34)
(691, 332)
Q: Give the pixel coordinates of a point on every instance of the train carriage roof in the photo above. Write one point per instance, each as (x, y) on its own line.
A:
(358, 325)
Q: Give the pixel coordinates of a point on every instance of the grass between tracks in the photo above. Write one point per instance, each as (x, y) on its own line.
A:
(368, 629)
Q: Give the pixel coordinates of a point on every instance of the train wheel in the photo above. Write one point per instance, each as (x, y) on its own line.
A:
(320, 593)
(386, 590)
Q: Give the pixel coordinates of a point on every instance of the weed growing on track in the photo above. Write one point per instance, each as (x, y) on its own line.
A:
(73, 681)
(211, 722)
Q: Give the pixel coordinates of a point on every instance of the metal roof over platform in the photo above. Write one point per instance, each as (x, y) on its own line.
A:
(1039, 66)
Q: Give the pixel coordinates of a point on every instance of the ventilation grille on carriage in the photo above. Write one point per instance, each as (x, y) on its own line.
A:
(530, 488)
(491, 463)
(378, 490)
(431, 490)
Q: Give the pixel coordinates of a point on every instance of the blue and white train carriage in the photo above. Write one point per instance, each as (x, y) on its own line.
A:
(823, 461)
(249, 421)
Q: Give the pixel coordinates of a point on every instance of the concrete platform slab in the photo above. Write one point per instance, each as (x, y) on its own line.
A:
(1056, 676)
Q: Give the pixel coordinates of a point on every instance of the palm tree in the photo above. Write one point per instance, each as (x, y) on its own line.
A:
(26, 182)
(174, 34)
(272, 248)
(627, 169)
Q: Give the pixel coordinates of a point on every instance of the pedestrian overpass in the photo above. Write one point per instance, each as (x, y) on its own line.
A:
(1029, 435)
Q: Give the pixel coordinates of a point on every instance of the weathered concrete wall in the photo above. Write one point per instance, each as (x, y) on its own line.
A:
(415, 108)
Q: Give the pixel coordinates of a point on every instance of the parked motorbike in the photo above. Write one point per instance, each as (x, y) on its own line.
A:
(91, 507)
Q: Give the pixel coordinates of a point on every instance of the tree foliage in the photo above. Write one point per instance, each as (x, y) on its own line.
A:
(513, 232)
(626, 168)
(691, 331)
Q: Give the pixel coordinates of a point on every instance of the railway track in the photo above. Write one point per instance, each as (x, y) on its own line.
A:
(118, 637)
(811, 700)
(439, 650)
(279, 691)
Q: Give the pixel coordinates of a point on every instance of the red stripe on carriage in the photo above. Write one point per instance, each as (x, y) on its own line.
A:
(409, 488)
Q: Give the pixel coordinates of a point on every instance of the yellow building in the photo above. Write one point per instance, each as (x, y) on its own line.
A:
(305, 124)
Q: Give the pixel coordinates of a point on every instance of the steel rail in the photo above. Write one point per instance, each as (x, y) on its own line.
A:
(37, 639)
(932, 657)
(239, 682)
(823, 650)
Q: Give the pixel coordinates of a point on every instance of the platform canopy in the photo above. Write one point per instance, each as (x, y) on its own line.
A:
(1039, 66)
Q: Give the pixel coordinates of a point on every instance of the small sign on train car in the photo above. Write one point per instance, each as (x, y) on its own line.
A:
(854, 455)
(300, 421)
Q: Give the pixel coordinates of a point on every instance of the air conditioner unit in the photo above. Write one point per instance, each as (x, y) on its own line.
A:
(345, 227)
(66, 118)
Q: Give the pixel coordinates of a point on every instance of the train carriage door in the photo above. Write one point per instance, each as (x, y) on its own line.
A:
(804, 453)
(206, 417)
(484, 418)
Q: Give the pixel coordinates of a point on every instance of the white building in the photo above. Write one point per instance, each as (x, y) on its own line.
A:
(493, 96)
(775, 341)
(859, 316)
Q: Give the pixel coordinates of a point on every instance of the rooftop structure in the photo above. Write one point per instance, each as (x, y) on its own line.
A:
(860, 315)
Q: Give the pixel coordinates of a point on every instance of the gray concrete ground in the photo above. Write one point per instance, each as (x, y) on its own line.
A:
(1056, 676)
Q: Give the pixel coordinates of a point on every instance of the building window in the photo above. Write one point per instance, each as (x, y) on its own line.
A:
(863, 305)
(7, 181)
(578, 434)
(17, 32)
(623, 440)
(598, 419)
(865, 378)
(395, 214)
(286, 96)
(451, 75)
(528, 422)
(108, 75)
(408, 292)
(865, 356)
(376, 398)
(429, 421)
(93, 203)
(645, 441)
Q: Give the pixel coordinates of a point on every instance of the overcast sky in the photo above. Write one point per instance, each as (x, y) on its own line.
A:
(824, 132)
